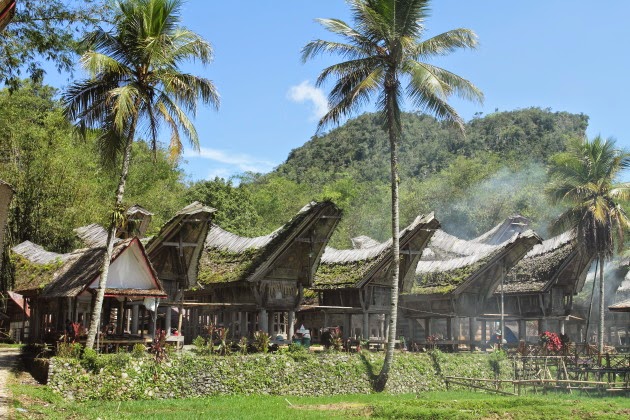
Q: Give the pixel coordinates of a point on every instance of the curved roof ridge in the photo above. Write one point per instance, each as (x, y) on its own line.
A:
(221, 239)
(428, 266)
(228, 241)
(447, 243)
(343, 256)
(496, 232)
(552, 244)
(37, 254)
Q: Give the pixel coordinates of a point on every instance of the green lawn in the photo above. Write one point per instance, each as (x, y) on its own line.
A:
(40, 402)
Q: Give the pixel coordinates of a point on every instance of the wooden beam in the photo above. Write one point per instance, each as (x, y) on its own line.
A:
(183, 244)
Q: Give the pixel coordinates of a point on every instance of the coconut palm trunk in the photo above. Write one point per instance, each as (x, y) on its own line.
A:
(136, 84)
(386, 45)
(95, 320)
(602, 306)
(381, 381)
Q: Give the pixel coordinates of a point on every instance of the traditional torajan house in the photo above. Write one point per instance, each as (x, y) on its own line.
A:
(542, 285)
(354, 285)
(249, 284)
(174, 253)
(454, 280)
(60, 287)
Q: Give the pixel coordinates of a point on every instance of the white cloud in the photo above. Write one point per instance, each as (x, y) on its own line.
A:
(306, 92)
(240, 162)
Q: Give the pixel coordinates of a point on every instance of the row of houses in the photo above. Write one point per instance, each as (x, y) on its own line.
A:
(201, 274)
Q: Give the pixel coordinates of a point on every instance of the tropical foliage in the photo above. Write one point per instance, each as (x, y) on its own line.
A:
(383, 48)
(135, 84)
(584, 178)
(45, 29)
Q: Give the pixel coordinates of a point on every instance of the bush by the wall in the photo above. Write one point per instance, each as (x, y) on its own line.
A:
(120, 377)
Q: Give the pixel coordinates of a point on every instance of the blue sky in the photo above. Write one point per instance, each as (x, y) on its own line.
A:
(564, 55)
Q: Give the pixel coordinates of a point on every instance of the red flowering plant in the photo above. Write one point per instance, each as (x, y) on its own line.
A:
(551, 341)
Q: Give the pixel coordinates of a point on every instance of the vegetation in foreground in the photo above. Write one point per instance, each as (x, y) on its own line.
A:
(35, 402)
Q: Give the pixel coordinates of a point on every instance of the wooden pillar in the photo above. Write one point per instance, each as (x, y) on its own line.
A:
(291, 325)
(410, 324)
(270, 323)
(326, 319)
(167, 320)
(484, 331)
(366, 326)
(522, 329)
(562, 326)
(449, 330)
(471, 331)
(427, 327)
(263, 320)
(120, 326)
(244, 332)
(541, 326)
(347, 326)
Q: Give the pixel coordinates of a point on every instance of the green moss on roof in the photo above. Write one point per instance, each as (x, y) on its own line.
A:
(338, 276)
(540, 268)
(442, 282)
(220, 266)
(31, 276)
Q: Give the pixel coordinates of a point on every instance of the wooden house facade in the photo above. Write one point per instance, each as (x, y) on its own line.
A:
(542, 285)
(354, 285)
(60, 287)
(249, 284)
(455, 278)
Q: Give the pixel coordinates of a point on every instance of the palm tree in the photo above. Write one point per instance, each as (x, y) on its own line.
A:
(583, 178)
(135, 84)
(385, 46)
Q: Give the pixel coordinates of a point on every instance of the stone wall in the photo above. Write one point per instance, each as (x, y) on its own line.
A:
(123, 377)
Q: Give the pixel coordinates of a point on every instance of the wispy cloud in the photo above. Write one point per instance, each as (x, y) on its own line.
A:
(304, 92)
(236, 162)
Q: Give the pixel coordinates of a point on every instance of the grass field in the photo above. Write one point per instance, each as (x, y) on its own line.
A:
(31, 401)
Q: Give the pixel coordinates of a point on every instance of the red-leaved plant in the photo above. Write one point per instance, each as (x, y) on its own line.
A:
(551, 341)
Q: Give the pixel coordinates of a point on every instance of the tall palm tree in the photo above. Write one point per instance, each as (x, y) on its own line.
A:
(136, 85)
(383, 48)
(583, 177)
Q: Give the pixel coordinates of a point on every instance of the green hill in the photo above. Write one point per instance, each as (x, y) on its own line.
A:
(472, 182)
(360, 146)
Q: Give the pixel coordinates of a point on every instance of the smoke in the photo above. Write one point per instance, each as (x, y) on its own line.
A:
(505, 193)
(613, 277)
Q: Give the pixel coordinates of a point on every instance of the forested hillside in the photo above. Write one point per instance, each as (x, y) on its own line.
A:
(471, 182)
(361, 147)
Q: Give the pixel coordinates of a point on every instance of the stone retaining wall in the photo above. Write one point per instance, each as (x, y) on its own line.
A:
(123, 377)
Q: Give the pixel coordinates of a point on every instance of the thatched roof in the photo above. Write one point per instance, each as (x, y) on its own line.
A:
(504, 230)
(623, 306)
(231, 258)
(560, 257)
(92, 235)
(352, 268)
(441, 276)
(53, 275)
(176, 249)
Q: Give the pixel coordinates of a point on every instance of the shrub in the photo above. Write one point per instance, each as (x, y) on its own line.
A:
(69, 350)
(261, 341)
(138, 350)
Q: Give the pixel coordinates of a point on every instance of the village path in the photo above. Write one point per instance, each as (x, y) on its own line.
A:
(8, 360)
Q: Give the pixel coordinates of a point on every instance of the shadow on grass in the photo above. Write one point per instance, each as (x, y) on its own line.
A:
(370, 371)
